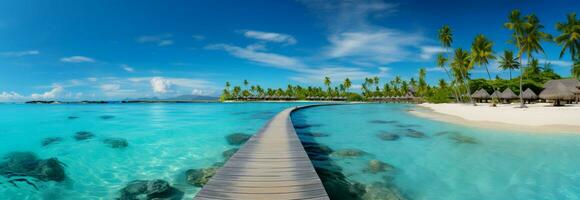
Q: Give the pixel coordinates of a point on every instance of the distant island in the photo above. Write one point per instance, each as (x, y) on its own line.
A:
(177, 99)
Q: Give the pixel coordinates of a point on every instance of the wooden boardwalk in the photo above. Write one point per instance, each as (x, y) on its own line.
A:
(272, 165)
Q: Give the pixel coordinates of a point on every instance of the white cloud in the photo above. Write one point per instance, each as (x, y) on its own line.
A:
(127, 68)
(355, 39)
(52, 94)
(19, 53)
(270, 37)
(110, 87)
(77, 59)
(559, 63)
(92, 79)
(10, 96)
(165, 43)
(434, 69)
(427, 52)
(251, 53)
(160, 85)
(160, 40)
(344, 15)
(378, 47)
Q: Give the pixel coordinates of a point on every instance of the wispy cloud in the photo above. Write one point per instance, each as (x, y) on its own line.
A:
(354, 39)
(110, 87)
(160, 40)
(377, 47)
(558, 63)
(77, 59)
(10, 96)
(127, 68)
(427, 52)
(266, 58)
(197, 37)
(270, 37)
(19, 53)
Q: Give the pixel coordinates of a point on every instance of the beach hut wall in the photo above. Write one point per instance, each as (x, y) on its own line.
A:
(508, 94)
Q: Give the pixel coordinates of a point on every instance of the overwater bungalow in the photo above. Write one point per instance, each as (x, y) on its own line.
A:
(508, 95)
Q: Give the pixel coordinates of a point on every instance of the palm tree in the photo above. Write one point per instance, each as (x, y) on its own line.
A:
(442, 84)
(422, 83)
(481, 54)
(376, 80)
(446, 39)
(327, 83)
(445, 36)
(508, 62)
(461, 66)
(246, 83)
(569, 39)
(530, 42)
(347, 84)
(517, 24)
(441, 60)
(533, 69)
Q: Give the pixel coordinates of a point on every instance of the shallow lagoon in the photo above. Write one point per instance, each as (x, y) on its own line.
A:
(449, 162)
(429, 159)
(164, 140)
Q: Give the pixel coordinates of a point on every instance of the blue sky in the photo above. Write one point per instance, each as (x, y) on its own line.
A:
(77, 50)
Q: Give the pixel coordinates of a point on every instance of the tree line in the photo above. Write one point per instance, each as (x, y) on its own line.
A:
(527, 37)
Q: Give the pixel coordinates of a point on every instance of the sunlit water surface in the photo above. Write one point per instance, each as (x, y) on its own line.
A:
(451, 162)
(164, 141)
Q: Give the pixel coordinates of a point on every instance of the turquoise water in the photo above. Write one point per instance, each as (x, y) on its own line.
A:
(450, 162)
(164, 141)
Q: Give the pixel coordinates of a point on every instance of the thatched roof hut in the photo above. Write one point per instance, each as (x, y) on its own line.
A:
(508, 94)
(557, 91)
(572, 84)
(496, 94)
(529, 95)
(480, 94)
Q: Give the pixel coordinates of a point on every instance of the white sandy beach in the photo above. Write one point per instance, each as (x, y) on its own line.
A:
(540, 117)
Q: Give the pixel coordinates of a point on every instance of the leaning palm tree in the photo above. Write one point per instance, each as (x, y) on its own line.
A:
(508, 62)
(461, 64)
(481, 54)
(446, 38)
(569, 39)
(530, 43)
(441, 60)
(517, 24)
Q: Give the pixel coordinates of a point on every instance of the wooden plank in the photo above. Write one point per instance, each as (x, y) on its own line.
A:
(271, 165)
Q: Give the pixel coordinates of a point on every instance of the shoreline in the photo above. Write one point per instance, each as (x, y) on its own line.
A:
(504, 117)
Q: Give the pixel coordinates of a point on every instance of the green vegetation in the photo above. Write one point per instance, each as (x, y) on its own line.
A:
(527, 38)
